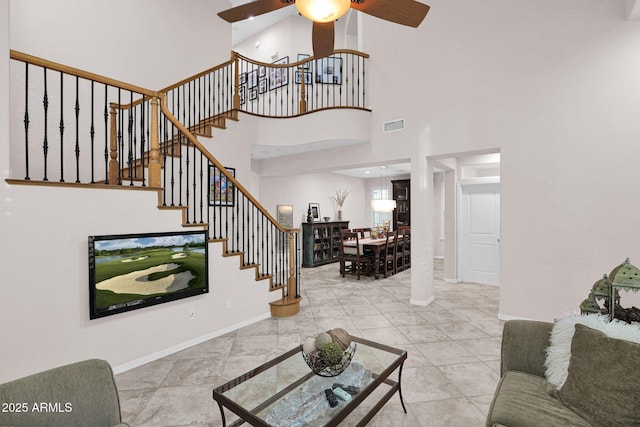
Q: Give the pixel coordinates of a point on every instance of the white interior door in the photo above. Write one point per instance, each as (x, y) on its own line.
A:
(480, 233)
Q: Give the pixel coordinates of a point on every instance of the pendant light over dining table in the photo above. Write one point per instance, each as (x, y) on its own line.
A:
(383, 205)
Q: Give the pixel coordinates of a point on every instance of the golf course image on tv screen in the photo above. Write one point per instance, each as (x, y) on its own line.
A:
(131, 271)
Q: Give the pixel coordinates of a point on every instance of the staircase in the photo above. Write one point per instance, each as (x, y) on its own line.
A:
(84, 129)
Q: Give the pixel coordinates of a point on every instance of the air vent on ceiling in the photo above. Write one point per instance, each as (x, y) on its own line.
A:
(393, 126)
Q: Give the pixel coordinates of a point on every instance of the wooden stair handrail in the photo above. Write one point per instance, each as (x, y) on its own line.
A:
(200, 74)
(30, 59)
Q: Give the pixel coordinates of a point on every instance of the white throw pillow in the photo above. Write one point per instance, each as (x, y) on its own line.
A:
(559, 352)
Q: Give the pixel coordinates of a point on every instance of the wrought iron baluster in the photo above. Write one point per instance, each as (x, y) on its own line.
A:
(61, 127)
(213, 225)
(45, 142)
(200, 107)
(231, 242)
(145, 152)
(226, 213)
(92, 133)
(77, 150)
(188, 107)
(130, 139)
(363, 83)
(202, 187)
(254, 237)
(262, 245)
(194, 184)
(239, 218)
(220, 211)
(120, 142)
(173, 159)
(247, 230)
(180, 149)
(26, 120)
(258, 242)
(187, 201)
(209, 100)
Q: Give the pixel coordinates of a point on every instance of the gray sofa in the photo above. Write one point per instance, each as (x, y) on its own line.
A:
(601, 388)
(79, 394)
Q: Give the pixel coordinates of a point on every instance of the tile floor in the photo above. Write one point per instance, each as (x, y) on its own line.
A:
(448, 379)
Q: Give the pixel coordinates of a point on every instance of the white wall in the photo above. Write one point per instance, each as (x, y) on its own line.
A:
(301, 190)
(4, 90)
(44, 293)
(124, 40)
(554, 87)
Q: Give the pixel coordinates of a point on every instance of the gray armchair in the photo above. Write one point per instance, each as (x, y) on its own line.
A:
(79, 394)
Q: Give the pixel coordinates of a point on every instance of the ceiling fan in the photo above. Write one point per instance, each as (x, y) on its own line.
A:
(324, 13)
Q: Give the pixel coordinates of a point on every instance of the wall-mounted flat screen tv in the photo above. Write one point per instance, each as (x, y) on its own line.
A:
(131, 271)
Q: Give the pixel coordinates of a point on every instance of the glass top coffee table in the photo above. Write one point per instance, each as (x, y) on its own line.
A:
(285, 392)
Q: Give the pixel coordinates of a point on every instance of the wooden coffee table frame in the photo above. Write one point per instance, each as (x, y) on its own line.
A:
(248, 415)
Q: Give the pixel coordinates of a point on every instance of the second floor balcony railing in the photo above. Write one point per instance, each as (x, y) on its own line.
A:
(278, 90)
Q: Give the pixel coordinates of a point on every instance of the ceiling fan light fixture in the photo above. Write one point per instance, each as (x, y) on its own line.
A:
(323, 10)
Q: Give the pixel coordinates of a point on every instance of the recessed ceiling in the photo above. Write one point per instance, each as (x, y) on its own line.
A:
(259, 152)
(376, 171)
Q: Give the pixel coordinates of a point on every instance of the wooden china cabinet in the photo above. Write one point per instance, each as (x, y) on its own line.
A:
(401, 190)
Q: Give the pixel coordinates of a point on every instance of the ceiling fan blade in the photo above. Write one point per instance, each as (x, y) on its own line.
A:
(254, 8)
(323, 37)
(405, 12)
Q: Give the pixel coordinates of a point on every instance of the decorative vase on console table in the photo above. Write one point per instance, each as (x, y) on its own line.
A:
(339, 198)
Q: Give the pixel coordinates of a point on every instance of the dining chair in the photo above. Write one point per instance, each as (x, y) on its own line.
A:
(406, 248)
(362, 232)
(351, 260)
(388, 260)
(399, 250)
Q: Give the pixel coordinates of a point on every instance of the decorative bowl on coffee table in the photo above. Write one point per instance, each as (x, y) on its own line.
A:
(320, 367)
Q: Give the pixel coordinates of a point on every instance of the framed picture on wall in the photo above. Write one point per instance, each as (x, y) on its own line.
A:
(243, 94)
(329, 70)
(262, 85)
(302, 57)
(315, 211)
(279, 76)
(285, 215)
(252, 79)
(307, 77)
(221, 190)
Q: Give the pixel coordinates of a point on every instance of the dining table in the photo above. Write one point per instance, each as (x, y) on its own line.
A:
(371, 245)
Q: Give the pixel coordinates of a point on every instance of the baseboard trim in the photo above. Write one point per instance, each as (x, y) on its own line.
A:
(182, 346)
(507, 317)
(447, 280)
(422, 302)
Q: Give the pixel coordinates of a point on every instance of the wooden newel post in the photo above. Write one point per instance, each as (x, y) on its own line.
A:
(291, 285)
(155, 168)
(114, 167)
